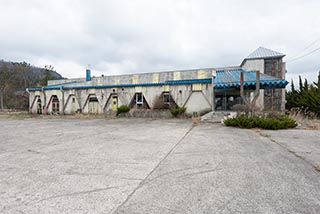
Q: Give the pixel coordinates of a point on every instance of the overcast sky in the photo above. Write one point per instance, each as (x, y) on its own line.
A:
(131, 36)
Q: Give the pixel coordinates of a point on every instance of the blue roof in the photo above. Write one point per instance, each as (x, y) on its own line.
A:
(231, 79)
(224, 79)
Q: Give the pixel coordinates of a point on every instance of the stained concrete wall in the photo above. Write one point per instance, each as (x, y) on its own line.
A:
(180, 93)
(138, 78)
(183, 95)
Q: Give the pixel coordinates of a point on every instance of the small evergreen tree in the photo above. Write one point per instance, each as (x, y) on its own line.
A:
(47, 75)
(307, 97)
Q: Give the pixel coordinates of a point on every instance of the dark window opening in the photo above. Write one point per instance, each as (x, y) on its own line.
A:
(39, 106)
(164, 101)
(273, 97)
(139, 98)
(166, 98)
(55, 105)
(227, 102)
(93, 99)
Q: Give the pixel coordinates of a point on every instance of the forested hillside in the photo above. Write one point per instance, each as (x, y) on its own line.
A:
(15, 77)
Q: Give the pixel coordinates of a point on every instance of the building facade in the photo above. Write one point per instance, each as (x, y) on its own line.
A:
(199, 90)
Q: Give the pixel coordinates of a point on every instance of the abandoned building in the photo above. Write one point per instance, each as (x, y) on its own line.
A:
(199, 90)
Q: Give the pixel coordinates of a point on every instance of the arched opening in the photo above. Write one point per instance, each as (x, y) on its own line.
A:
(39, 106)
(55, 105)
(164, 101)
(111, 105)
(93, 105)
(139, 101)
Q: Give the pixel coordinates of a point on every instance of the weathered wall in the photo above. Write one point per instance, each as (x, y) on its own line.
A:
(197, 102)
(138, 78)
(181, 94)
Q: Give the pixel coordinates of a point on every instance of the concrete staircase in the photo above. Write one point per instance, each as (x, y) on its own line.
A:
(216, 116)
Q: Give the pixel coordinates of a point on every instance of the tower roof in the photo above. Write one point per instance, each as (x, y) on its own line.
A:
(262, 53)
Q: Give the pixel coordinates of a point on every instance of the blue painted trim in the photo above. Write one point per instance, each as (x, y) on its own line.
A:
(272, 83)
(170, 82)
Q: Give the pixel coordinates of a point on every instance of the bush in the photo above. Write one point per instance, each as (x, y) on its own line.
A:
(123, 109)
(178, 111)
(274, 123)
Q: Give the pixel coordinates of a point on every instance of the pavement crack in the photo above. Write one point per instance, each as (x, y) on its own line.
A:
(201, 172)
(155, 168)
(170, 172)
(178, 170)
(78, 193)
(262, 134)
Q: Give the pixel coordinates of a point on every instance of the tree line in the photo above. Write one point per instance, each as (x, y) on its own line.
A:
(306, 97)
(15, 77)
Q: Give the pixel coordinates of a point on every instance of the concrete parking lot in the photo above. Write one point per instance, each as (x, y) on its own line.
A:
(69, 165)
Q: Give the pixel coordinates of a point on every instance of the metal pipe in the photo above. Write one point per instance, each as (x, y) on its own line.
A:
(213, 92)
(44, 101)
(62, 92)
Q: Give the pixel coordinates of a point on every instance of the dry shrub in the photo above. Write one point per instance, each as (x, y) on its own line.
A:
(158, 103)
(305, 118)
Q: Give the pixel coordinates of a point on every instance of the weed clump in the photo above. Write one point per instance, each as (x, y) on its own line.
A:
(123, 109)
(178, 111)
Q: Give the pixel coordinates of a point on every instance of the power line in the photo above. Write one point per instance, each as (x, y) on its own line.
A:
(307, 54)
(306, 48)
(309, 46)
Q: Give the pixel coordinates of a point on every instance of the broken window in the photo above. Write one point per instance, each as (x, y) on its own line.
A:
(139, 98)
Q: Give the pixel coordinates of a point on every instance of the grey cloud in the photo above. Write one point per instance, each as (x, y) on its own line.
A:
(126, 36)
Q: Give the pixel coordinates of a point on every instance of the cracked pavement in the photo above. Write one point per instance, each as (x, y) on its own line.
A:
(154, 166)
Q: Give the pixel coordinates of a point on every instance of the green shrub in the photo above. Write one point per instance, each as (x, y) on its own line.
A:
(123, 109)
(274, 123)
(178, 111)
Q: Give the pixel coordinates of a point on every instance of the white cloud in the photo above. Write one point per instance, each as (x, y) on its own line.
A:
(125, 36)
